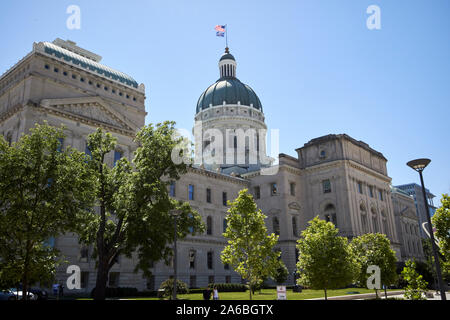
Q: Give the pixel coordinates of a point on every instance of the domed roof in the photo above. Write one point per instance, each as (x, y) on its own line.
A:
(228, 88)
(227, 55)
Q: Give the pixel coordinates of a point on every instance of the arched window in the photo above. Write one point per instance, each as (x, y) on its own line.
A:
(374, 219)
(330, 214)
(364, 224)
(276, 225)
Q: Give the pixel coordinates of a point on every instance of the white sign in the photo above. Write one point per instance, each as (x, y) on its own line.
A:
(281, 293)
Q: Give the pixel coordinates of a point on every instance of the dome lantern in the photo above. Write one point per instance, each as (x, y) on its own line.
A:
(227, 65)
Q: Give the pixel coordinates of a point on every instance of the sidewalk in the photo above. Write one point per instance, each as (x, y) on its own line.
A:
(362, 296)
(390, 294)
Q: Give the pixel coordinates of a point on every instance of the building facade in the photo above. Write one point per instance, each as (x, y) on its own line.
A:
(414, 190)
(407, 224)
(335, 177)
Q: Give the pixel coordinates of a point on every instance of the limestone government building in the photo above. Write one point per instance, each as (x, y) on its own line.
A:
(335, 177)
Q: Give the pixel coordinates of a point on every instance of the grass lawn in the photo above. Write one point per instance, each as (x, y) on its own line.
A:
(271, 294)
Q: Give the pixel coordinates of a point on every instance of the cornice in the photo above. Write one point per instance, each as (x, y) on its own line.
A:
(216, 175)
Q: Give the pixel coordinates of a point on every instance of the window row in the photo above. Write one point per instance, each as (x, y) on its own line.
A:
(274, 190)
(209, 260)
(90, 82)
(192, 194)
(276, 226)
(371, 191)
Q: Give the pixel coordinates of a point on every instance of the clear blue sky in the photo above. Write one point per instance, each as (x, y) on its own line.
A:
(315, 66)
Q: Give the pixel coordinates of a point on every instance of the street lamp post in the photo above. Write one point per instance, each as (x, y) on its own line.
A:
(419, 165)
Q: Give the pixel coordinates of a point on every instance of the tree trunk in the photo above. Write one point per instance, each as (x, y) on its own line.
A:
(102, 279)
(385, 292)
(25, 273)
(325, 293)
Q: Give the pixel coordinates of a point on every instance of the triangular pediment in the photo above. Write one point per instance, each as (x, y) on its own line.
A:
(91, 110)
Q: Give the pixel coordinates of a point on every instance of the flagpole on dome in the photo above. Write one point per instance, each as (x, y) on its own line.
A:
(226, 36)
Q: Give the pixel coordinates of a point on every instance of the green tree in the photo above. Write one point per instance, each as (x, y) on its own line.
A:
(44, 192)
(441, 221)
(134, 208)
(416, 287)
(250, 250)
(280, 274)
(375, 249)
(325, 259)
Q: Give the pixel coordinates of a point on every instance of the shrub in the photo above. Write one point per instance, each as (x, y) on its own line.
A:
(118, 292)
(167, 286)
(416, 287)
(229, 287)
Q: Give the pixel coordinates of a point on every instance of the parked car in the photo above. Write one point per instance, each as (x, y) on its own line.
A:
(19, 294)
(7, 295)
(40, 293)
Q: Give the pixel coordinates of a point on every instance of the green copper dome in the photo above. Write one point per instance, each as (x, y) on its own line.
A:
(227, 55)
(228, 88)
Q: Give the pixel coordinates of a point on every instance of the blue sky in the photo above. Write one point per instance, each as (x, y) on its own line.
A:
(314, 64)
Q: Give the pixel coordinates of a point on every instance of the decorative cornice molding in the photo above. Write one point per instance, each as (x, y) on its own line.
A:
(216, 175)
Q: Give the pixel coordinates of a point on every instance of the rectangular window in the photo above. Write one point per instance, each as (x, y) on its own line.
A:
(84, 254)
(117, 156)
(61, 144)
(292, 188)
(371, 191)
(172, 189)
(360, 188)
(192, 259)
(326, 186)
(208, 195)
(84, 279)
(257, 192)
(273, 189)
(87, 151)
(210, 279)
(380, 193)
(224, 198)
(227, 279)
(226, 266)
(151, 283)
(193, 281)
(191, 192)
(210, 260)
(113, 280)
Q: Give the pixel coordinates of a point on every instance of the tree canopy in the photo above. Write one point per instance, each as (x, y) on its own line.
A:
(250, 250)
(374, 249)
(441, 221)
(134, 213)
(325, 259)
(44, 192)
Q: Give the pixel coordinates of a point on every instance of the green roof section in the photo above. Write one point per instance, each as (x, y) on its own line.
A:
(230, 90)
(88, 64)
(227, 56)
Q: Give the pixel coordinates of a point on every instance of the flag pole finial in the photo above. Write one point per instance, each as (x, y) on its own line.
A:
(227, 50)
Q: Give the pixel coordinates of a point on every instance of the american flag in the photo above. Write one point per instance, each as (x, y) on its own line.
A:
(220, 28)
